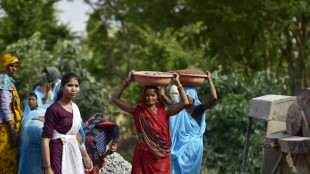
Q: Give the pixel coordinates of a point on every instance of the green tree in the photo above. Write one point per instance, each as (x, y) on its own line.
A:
(22, 18)
(93, 97)
(119, 40)
(34, 57)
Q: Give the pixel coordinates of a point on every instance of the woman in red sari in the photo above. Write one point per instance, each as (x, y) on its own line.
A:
(152, 151)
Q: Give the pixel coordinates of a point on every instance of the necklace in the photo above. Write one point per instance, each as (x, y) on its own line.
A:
(154, 109)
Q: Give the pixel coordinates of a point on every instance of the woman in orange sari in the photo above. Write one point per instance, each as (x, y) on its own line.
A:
(152, 151)
(10, 115)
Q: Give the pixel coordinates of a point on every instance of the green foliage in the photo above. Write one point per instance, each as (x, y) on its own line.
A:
(237, 38)
(244, 37)
(66, 57)
(172, 49)
(92, 97)
(227, 121)
(150, 50)
(33, 58)
(22, 18)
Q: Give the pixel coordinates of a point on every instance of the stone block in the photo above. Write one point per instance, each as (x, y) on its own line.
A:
(271, 107)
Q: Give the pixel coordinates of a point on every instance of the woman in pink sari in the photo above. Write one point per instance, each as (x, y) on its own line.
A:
(152, 151)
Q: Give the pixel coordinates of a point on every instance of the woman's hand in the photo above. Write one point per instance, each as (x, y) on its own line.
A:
(175, 79)
(111, 150)
(48, 87)
(14, 140)
(114, 147)
(13, 134)
(130, 75)
(88, 163)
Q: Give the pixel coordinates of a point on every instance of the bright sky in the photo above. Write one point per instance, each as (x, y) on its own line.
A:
(74, 13)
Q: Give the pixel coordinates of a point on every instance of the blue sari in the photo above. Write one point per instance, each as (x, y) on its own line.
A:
(36, 90)
(186, 137)
(30, 154)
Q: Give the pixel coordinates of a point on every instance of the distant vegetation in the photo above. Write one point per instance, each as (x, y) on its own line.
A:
(252, 48)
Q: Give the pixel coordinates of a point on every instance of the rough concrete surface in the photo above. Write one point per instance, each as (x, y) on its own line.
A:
(115, 164)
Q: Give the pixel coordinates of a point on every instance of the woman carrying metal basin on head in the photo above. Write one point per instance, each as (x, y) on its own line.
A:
(187, 129)
(151, 118)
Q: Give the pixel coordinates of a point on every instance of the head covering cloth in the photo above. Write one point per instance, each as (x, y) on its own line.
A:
(36, 90)
(7, 82)
(27, 107)
(6, 60)
(53, 74)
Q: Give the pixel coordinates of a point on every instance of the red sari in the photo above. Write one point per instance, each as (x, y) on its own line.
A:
(153, 154)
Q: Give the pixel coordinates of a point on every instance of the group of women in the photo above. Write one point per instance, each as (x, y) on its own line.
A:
(49, 138)
(169, 137)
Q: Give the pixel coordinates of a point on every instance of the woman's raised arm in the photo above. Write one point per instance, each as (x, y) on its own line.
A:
(213, 98)
(166, 99)
(176, 108)
(123, 104)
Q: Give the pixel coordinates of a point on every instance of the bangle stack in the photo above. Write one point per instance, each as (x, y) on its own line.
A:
(180, 88)
(126, 82)
(45, 167)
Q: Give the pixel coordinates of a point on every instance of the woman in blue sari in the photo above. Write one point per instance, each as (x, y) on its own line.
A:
(187, 129)
(33, 102)
(30, 156)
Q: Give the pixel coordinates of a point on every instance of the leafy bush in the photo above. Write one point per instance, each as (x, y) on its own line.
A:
(66, 56)
(227, 121)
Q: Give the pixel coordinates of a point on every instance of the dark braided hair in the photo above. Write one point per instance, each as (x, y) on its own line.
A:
(65, 79)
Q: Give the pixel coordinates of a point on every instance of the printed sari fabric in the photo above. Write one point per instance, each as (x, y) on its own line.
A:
(186, 137)
(8, 154)
(153, 154)
(99, 132)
